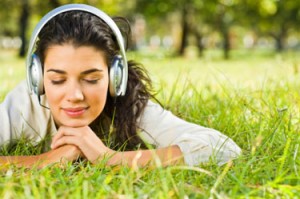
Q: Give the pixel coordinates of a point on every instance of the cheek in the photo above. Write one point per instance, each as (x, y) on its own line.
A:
(53, 95)
(97, 96)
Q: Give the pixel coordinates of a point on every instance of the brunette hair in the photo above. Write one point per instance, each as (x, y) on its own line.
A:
(117, 124)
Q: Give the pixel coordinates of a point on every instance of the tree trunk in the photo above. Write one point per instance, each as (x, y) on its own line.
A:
(280, 41)
(279, 44)
(25, 12)
(200, 45)
(223, 27)
(279, 38)
(184, 36)
(226, 43)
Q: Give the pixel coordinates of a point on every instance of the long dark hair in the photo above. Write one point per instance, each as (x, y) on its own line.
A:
(117, 124)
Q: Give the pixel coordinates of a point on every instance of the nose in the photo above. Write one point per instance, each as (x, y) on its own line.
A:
(75, 93)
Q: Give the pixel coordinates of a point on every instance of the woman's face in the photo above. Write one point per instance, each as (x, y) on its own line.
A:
(76, 83)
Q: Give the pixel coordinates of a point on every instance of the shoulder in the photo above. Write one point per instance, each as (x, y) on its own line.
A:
(18, 94)
(154, 108)
(21, 113)
(154, 113)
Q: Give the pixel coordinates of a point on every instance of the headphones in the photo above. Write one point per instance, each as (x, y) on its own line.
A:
(118, 74)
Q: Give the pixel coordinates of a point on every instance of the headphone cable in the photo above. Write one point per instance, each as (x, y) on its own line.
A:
(39, 98)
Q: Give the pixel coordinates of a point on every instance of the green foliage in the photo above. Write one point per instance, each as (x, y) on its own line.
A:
(273, 18)
(9, 17)
(253, 98)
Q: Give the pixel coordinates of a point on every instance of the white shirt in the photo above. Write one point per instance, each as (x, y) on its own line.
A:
(22, 115)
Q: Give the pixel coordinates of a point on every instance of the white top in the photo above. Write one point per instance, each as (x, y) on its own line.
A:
(22, 115)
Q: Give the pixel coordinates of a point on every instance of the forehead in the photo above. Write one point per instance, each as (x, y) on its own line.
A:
(71, 47)
(70, 56)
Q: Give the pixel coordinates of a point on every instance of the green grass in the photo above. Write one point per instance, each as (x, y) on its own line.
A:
(253, 98)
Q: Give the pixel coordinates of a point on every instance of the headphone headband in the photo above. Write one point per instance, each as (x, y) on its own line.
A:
(89, 9)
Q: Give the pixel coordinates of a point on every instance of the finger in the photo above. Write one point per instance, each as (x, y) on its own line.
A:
(63, 131)
(64, 141)
(56, 137)
(59, 134)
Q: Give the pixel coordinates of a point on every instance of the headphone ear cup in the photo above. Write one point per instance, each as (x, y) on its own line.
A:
(116, 76)
(36, 76)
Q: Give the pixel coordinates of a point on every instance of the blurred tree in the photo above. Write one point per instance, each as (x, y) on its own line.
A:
(196, 16)
(156, 12)
(8, 18)
(273, 18)
(23, 24)
(24, 18)
(15, 15)
(221, 15)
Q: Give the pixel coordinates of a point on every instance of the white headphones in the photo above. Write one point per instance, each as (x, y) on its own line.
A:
(118, 69)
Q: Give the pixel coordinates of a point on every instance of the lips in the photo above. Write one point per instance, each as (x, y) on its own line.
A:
(75, 112)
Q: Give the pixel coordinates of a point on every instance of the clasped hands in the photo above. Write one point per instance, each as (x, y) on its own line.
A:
(70, 143)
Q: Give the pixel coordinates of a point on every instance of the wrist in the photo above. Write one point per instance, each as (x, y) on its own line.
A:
(113, 157)
(125, 158)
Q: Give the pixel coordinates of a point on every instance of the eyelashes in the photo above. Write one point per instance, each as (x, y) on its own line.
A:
(57, 82)
(89, 81)
(93, 81)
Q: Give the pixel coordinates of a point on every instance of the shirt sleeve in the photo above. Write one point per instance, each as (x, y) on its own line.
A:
(198, 144)
(21, 116)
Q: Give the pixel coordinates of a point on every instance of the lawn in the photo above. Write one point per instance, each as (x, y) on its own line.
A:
(253, 98)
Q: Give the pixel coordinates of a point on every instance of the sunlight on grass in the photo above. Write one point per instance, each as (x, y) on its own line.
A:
(253, 98)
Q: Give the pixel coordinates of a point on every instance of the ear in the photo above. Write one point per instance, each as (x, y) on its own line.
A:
(116, 74)
(35, 74)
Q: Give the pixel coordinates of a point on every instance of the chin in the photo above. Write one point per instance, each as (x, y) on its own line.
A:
(76, 124)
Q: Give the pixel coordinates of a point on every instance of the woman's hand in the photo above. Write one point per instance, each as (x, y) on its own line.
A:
(85, 139)
(93, 149)
(64, 153)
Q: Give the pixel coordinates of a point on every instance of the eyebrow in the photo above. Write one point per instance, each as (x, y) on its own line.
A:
(57, 71)
(91, 71)
(83, 73)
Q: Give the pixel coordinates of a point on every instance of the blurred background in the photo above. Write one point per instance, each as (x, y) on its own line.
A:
(178, 28)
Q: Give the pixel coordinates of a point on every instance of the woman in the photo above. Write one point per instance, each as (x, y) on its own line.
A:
(88, 115)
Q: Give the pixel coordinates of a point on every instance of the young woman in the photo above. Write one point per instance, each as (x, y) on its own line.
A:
(95, 103)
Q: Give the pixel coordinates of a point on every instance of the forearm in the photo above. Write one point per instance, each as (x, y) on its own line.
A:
(163, 156)
(65, 153)
(21, 161)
